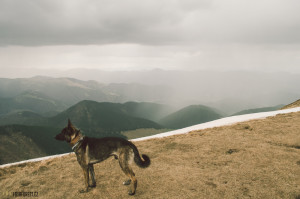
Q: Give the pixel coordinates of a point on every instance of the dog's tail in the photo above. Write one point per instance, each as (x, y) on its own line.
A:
(143, 162)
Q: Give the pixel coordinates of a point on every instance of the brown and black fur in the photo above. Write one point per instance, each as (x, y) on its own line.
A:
(93, 150)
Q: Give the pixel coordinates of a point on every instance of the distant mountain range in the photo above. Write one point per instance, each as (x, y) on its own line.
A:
(31, 101)
(65, 92)
(45, 101)
(229, 92)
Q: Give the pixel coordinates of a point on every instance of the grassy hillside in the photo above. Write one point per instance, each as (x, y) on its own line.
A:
(18, 142)
(292, 105)
(189, 116)
(258, 110)
(254, 159)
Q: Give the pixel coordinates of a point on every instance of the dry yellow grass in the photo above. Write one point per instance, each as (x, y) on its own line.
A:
(255, 159)
(292, 105)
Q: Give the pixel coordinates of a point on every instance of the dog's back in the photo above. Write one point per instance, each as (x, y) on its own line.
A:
(99, 149)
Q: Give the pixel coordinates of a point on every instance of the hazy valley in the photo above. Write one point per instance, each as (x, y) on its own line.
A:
(42, 105)
(229, 92)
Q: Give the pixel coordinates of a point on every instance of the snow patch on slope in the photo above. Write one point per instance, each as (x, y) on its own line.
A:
(220, 122)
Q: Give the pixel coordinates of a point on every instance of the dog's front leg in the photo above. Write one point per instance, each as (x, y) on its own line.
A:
(92, 173)
(85, 170)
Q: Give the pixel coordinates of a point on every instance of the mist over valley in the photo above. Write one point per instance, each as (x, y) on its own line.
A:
(134, 104)
(229, 92)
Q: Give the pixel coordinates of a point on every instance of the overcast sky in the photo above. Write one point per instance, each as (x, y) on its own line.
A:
(145, 34)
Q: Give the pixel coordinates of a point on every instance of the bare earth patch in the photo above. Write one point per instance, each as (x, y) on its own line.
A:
(255, 159)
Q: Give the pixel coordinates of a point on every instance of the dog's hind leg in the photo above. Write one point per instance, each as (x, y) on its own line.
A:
(92, 174)
(124, 159)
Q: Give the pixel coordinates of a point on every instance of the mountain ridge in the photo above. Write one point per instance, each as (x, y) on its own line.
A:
(112, 117)
(31, 101)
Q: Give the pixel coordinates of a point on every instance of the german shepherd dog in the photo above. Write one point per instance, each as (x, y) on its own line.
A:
(93, 150)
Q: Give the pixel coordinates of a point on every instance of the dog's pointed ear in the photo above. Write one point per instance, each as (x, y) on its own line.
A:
(69, 123)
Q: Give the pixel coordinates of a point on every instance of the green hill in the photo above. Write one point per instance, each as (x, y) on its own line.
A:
(101, 118)
(19, 142)
(150, 111)
(189, 116)
(258, 110)
(23, 118)
(92, 117)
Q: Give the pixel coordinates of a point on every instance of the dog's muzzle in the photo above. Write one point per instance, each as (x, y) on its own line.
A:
(60, 137)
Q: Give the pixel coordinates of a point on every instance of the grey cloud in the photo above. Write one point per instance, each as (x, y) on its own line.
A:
(54, 22)
(88, 22)
(249, 22)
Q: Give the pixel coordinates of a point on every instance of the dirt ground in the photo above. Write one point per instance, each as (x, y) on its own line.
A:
(255, 159)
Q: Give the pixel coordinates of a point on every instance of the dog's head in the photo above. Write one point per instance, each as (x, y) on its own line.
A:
(68, 133)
